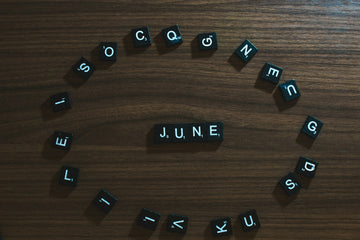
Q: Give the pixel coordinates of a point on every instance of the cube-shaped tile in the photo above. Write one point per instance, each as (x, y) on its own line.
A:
(249, 220)
(306, 167)
(69, 176)
(172, 35)
(214, 131)
(62, 140)
(105, 201)
(60, 101)
(177, 223)
(246, 51)
(148, 219)
(271, 73)
(207, 41)
(290, 184)
(180, 133)
(289, 90)
(221, 227)
(162, 133)
(197, 132)
(84, 68)
(108, 51)
(141, 36)
(312, 127)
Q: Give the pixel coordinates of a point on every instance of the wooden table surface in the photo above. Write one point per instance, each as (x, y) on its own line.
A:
(315, 42)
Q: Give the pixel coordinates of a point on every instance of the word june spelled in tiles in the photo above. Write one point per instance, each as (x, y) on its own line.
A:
(60, 101)
(221, 227)
(246, 51)
(249, 220)
(290, 184)
(189, 132)
(172, 35)
(108, 51)
(271, 73)
(306, 167)
(289, 90)
(148, 219)
(141, 36)
(177, 223)
(84, 68)
(312, 127)
(69, 176)
(105, 201)
(62, 140)
(207, 41)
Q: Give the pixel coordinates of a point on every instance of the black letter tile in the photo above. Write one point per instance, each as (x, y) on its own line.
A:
(246, 51)
(62, 140)
(141, 36)
(290, 184)
(307, 167)
(207, 41)
(105, 201)
(197, 132)
(221, 227)
(180, 133)
(148, 219)
(271, 73)
(249, 220)
(69, 176)
(108, 51)
(177, 223)
(60, 101)
(214, 131)
(162, 133)
(312, 127)
(172, 35)
(84, 68)
(289, 90)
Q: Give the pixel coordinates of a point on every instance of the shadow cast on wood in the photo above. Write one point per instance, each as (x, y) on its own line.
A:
(129, 46)
(152, 147)
(57, 190)
(240, 234)
(209, 235)
(304, 140)
(236, 62)
(281, 103)
(138, 232)
(264, 85)
(51, 153)
(165, 234)
(48, 114)
(73, 79)
(197, 53)
(305, 181)
(161, 46)
(95, 59)
(282, 198)
(93, 214)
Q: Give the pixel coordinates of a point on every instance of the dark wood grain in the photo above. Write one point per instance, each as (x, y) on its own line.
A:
(316, 43)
